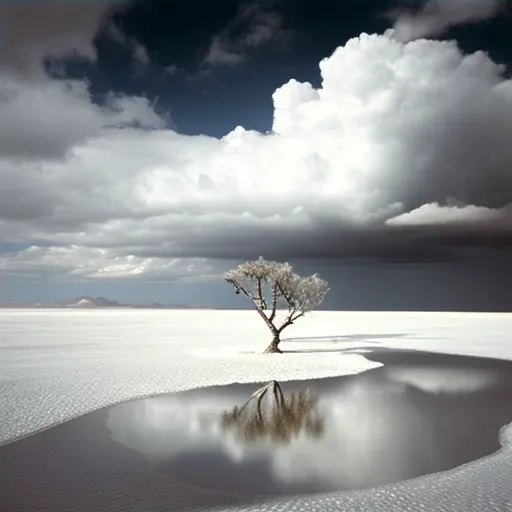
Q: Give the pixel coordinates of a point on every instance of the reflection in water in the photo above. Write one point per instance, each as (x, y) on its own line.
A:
(440, 380)
(280, 417)
(403, 420)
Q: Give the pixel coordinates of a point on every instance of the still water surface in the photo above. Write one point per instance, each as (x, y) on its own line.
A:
(419, 414)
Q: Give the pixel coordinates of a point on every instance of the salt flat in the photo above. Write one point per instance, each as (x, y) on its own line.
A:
(57, 364)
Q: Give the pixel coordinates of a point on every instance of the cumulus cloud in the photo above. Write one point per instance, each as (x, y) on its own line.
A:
(402, 152)
(436, 16)
(252, 27)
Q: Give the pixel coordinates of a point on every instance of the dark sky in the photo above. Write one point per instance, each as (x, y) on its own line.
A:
(148, 146)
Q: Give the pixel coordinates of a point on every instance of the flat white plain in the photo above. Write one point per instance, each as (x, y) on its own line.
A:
(55, 365)
(59, 364)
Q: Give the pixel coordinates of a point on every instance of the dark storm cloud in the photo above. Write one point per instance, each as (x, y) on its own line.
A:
(343, 243)
(33, 31)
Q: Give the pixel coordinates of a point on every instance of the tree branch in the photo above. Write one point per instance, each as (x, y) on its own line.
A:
(289, 320)
(270, 324)
(260, 311)
(301, 313)
(274, 302)
(260, 294)
(285, 295)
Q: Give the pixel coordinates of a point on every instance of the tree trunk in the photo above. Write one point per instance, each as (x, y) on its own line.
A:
(273, 348)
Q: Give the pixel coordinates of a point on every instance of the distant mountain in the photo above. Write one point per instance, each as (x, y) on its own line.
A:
(91, 302)
(86, 302)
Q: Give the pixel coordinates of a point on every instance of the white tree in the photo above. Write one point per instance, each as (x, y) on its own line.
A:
(269, 285)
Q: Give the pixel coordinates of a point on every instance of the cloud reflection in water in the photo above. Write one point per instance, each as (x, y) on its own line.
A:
(369, 429)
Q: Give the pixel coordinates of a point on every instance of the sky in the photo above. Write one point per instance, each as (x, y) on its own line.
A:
(147, 146)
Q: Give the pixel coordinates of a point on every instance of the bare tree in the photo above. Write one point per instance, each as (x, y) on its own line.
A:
(269, 285)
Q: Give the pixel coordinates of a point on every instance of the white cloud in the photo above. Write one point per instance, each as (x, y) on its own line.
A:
(44, 119)
(395, 136)
(435, 214)
(251, 28)
(74, 262)
(437, 16)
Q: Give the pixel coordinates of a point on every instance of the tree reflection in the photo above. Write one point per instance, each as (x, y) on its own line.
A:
(275, 415)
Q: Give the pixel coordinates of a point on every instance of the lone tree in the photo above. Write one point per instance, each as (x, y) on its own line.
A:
(269, 285)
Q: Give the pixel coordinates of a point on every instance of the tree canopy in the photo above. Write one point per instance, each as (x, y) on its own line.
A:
(272, 285)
